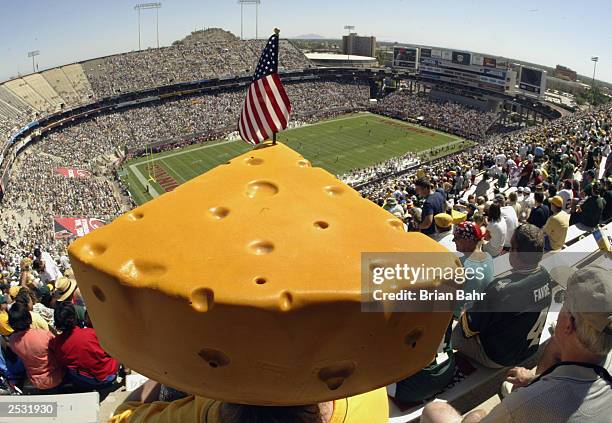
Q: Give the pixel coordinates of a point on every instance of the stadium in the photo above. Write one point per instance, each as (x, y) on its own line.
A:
(448, 147)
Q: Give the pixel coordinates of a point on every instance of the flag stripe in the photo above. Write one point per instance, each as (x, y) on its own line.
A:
(278, 97)
(279, 120)
(262, 111)
(254, 117)
(266, 107)
(248, 125)
(250, 120)
(282, 92)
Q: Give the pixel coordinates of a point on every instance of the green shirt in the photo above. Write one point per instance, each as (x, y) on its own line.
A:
(592, 210)
(510, 319)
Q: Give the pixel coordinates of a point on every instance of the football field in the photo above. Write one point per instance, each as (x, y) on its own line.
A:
(337, 145)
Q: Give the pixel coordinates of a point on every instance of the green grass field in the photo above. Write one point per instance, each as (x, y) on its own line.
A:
(338, 145)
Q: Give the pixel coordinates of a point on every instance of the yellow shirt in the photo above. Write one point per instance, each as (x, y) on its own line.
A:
(556, 228)
(371, 407)
(5, 328)
(38, 322)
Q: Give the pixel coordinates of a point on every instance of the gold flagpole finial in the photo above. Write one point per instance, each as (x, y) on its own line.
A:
(276, 31)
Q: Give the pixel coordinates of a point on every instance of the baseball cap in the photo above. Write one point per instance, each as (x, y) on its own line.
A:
(557, 201)
(443, 220)
(520, 189)
(589, 297)
(14, 290)
(527, 190)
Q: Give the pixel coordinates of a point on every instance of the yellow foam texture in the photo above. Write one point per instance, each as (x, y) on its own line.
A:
(244, 285)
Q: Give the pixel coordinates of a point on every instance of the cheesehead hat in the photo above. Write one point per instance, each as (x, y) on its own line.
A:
(235, 268)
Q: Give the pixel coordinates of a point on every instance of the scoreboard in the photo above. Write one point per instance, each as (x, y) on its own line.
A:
(405, 57)
(466, 68)
(532, 81)
(491, 73)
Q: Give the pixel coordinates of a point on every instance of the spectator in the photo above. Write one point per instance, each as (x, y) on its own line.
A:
(509, 216)
(483, 186)
(496, 231)
(527, 204)
(5, 328)
(65, 289)
(392, 207)
(32, 347)
(78, 349)
(540, 212)
(607, 197)
(47, 268)
(433, 205)
(556, 226)
(444, 230)
(38, 322)
(513, 202)
(590, 212)
(467, 238)
(567, 195)
(504, 329)
(572, 380)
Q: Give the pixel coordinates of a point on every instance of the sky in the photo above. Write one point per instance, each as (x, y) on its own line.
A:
(545, 32)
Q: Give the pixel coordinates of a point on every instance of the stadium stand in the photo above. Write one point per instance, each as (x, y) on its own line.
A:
(40, 85)
(8, 97)
(20, 88)
(80, 83)
(62, 86)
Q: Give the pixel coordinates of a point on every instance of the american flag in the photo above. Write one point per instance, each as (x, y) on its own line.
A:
(266, 107)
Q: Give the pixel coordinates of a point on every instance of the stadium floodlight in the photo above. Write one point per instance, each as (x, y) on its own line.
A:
(33, 54)
(595, 59)
(144, 6)
(242, 3)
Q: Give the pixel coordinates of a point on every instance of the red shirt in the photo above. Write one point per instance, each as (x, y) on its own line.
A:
(80, 350)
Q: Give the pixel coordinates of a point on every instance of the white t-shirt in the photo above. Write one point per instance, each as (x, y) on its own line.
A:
(498, 238)
(446, 240)
(509, 216)
(567, 195)
(51, 272)
(526, 205)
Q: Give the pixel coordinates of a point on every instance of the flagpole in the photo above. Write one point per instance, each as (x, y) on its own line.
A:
(276, 31)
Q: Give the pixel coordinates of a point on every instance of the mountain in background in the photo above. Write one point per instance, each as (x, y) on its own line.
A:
(309, 37)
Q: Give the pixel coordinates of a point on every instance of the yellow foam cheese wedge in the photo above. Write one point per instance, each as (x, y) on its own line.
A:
(244, 285)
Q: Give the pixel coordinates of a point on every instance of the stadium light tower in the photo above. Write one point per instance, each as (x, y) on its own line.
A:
(143, 6)
(33, 54)
(242, 3)
(595, 59)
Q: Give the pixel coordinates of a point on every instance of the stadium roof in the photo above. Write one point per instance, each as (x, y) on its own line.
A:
(342, 57)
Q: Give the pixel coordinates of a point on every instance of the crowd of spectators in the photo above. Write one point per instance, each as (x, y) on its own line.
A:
(446, 116)
(202, 55)
(47, 342)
